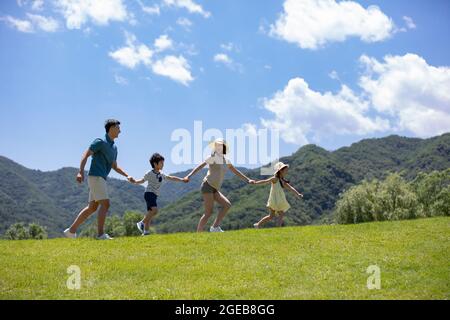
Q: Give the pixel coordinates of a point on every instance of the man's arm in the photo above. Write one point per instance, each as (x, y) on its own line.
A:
(121, 172)
(86, 155)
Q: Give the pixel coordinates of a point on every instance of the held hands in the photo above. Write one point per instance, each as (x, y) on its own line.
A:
(186, 179)
(80, 177)
(131, 180)
(250, 181)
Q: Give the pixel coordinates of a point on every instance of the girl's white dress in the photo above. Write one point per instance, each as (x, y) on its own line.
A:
(277, 198)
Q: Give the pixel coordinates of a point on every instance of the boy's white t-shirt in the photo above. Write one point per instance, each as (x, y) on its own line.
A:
(154, 181)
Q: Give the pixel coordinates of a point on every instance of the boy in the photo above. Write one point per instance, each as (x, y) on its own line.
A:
(154, 178)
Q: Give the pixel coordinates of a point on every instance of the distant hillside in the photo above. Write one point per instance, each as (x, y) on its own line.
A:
(321, 176)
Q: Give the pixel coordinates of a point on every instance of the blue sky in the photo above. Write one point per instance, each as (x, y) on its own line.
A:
(257, 63)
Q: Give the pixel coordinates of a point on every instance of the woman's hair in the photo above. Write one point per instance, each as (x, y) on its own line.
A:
(155, 159)
(224, 150)
(281, 179)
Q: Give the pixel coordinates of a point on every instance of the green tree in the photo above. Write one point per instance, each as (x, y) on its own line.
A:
(433, 193)
(130, 219)
(19, 231)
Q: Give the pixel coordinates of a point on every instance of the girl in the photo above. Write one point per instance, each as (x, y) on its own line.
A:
(218, 165)
(277, 203)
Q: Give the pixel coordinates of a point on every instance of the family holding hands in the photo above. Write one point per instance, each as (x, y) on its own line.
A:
(104, 158)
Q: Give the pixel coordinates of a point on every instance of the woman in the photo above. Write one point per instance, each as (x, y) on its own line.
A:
(218, 165)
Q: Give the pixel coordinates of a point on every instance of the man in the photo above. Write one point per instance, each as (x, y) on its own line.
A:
(104, 158)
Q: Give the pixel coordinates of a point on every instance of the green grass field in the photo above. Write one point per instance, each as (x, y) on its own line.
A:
(314, 262)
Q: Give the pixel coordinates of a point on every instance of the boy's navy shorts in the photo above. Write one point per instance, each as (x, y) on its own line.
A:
(150, 199)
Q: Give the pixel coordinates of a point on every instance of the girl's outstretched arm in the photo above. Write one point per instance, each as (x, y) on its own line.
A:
(240, 174)
(267, 181)
(287, 185)
(197, 169)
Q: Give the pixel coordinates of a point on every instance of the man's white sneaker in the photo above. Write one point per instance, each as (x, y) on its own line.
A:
(69, 234)
(104, 236)
(217, 229)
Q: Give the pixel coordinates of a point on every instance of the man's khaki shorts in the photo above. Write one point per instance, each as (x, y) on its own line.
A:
(97, 189)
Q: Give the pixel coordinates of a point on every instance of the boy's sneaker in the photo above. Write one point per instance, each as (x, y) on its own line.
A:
(140, 226)
(104, 236)
(69, 234)
(256, 226)
(217, 229)
(146, 233)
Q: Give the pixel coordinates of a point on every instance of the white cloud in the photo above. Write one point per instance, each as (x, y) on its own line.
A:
(18, 24)
(101, 12)
(223, 58)
(33, 23)
(228, 62)
(185, 23)
(409, 22)
(37, 5)
(133, 54)
(176, 68)
(334, 75)
(190, 5)
(120, 80)
(163, 43)
(152, 10)
(407, 88)
(311, 24)
(301, 112)
(230, 46)
(401, 93)
(46, 24)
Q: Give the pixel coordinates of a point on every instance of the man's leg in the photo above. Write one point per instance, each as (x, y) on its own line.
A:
(101, 217)
(83, 215)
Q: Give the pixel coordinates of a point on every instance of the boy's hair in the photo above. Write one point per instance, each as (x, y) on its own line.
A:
(111, 123)
(155, 159)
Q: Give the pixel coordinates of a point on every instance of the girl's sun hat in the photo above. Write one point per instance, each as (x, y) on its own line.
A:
(221, 141)
(280, 166)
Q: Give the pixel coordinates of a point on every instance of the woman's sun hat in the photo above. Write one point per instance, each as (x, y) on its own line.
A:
(221, 141)
(280, 166)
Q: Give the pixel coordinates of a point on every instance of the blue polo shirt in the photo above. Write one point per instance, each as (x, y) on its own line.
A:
(105, 154)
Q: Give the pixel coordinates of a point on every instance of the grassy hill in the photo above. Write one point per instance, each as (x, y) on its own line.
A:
(313, 262)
